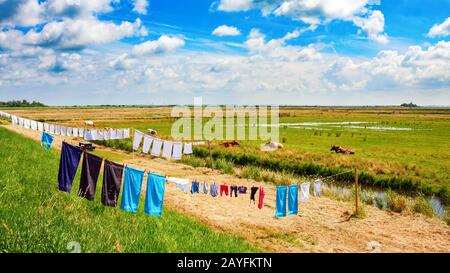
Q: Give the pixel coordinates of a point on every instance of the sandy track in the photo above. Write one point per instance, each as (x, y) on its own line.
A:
(321, 226)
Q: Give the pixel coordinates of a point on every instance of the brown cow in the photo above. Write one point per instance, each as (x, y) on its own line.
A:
(342, 150)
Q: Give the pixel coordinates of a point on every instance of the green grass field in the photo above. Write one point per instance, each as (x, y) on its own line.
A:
(36, 217)
(418, 155)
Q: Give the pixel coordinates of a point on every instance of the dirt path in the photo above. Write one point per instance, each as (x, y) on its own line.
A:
(321, 226)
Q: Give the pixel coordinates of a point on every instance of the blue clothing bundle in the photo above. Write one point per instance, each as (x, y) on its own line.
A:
(194, 187)
(291, 194)
(293, 200)
(68, 165)
(48, 139)
(205, 187)
(214, 190)
(131, 192)
(280, 210)
(155, 194)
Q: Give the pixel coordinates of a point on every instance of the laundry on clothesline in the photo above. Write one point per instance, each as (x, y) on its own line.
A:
(181, 183)
(317, 187)
(304, 191)
(47, 139)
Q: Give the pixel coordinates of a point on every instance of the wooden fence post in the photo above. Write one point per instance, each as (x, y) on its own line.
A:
(210, 154)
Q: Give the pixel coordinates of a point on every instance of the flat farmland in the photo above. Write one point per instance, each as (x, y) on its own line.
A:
(388, 142)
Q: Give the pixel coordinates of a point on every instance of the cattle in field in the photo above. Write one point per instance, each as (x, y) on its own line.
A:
(271, 146)
(342, 150)
(152, 132)
(89, 123)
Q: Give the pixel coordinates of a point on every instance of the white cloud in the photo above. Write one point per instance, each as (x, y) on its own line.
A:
(225, 30)
(440, 30)
(316, 12)
(140, 6)
(76, 34)
(164, 44)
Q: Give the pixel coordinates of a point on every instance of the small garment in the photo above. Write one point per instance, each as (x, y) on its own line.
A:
(112, 179)
(68, 165)
(187, 148)
(167, 149)
(63, 131)
(69, 131)
(224, 190)
(106, 135)
(47, 139)
(147, 144)
(177, 150)
(155, 194)
(40, 126)
(90, 171)
(88, 135)
(131, 192)
(233, 189)
(33, 125)
(21, 122)
(261, 197)
(242, 189)
(113, 134)
(126, 133)
(214, 190)
(280, 210)
(52, 129)
(47, 127)
(181, 183)
(137, 139)
(317, 187)
(81, 132)
(195, 187)
(100, 135)
(75, 132)
(304, 191)
(14, 120)
(293, 199)
(119, 134)
(253, 191)
(27, 123)
(205, 187)
(156, 148)
(57, 129)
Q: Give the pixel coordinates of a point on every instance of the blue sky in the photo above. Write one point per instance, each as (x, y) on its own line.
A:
(304, 52)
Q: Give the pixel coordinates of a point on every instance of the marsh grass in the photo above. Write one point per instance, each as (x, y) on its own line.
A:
(36, 217)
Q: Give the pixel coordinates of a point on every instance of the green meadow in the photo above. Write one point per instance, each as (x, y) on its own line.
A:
(36, 217)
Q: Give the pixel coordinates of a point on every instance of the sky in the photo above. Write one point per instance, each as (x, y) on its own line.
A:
(287, 52)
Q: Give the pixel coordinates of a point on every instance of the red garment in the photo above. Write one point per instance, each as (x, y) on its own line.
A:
(261, 198)
(224, 189)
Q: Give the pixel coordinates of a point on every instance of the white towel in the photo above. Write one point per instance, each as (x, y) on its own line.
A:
(156, 147)
(126, 133)
(187, 148)
(33, 125)
(167, 149)
(63, 131)
(94, 134)
(69, 131)
(113, 134)
(181, 183)
(21, 122)
(46, 127)
(147, 144)
(27, 123)
(304, 191)
(81, 132)
(14, 120)
(119, 134)
(177, 150)
(75, 132)
(52, 129)
(317, 187)
(198, 143)
(100, 134)
(40, 126)
(57, 129)
(137, 139)
(107, 134)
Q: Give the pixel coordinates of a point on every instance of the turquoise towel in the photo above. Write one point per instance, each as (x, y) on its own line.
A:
(132, 184)
(293, 199)
(281, 201)
(155, 194)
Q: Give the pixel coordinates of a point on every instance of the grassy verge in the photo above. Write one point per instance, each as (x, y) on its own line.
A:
(36, 217)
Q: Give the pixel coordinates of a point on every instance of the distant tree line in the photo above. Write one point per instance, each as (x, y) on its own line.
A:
(21, 103)
(408, 105)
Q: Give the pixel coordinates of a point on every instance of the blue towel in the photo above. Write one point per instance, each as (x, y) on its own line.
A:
(214, 190)
(293, 199)
(132, 184)
(194, 187)
(68, 165)
(281, 201)
(48, 139)
(155, 194)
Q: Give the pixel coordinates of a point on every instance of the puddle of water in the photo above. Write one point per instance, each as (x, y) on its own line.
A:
(377, 128)
(315, 123)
